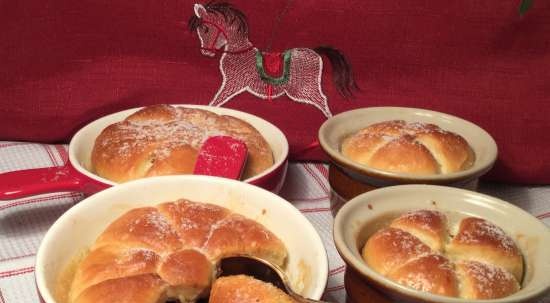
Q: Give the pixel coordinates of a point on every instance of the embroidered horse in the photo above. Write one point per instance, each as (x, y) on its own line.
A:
(296, 72)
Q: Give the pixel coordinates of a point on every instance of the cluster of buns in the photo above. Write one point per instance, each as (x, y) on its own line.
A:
(479, 261)
(416, 148)
(165, 140)
(170, 252)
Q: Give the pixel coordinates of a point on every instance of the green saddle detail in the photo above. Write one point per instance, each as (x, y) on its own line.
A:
(269, 79)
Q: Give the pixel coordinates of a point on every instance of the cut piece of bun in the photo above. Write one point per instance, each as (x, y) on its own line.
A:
(245, 289)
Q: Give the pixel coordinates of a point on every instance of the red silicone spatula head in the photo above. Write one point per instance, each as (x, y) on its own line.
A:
(221, 156)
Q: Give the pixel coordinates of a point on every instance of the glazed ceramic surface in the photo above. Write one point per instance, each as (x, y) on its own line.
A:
(77, 174)
(77, 229)
(335, 129)
(83, 141)
(367, 213)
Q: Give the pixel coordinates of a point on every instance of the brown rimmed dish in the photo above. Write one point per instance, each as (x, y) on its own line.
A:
(349, 179)
(365, 214)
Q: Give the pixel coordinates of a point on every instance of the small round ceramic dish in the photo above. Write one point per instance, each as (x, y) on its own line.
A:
(365, 214)
(77, 229)
(77, 174)
(349, 179)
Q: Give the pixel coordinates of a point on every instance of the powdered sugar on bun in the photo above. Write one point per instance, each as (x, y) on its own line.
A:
(485, 281)
(479, 262)
(417, 148)
(429, 226)
(164, 140)
(169, 251)
(482, 241)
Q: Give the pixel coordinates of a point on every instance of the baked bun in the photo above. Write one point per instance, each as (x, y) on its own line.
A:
(480, 262)
(245, 289)
(485, 281)
(431, 273)
(427, 225)
(480, 240)
(390, 248)
(168, 252)
(405, 259)
(165, 140)
(416, 148)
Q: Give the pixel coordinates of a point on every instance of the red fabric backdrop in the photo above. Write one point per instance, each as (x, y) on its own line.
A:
(66, 63)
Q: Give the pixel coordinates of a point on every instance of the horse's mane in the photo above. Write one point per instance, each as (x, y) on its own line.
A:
(227, 10)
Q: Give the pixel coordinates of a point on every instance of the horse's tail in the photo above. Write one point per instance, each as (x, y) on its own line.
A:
(341, 74)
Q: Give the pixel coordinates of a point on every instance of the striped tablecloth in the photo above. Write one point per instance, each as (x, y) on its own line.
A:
(23, 222)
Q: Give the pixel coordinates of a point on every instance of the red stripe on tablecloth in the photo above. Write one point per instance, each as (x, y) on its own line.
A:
(52, 157)
(62, 153)
(16, 258)
(310, 199)
(544, 216)
(334, 288)
(315, 210)
(13, 144)
(16, 272)
(322, 169)
(336, 270)
(317, 179)
(312, 173)
(321, 179)
(56, 156)
(41, 199)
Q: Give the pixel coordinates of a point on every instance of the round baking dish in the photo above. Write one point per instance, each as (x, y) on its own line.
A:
(78, 228)
(76, 175)
(349, 179)
(367, 213)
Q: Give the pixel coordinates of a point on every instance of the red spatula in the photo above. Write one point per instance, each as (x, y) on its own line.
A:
(221, 156)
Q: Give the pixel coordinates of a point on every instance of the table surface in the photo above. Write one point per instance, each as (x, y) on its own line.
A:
(24, 222)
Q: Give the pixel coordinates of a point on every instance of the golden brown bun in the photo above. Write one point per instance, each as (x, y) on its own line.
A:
(390, 248)
(482, 241)
(427, 225)
(480, 262)
(432, 273)
(484, 281)
(417, 148)
(168, 252)
(245, 289)
(132, 289)
(164, 140)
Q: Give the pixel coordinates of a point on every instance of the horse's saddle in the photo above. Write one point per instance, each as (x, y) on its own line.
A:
(273, 68)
